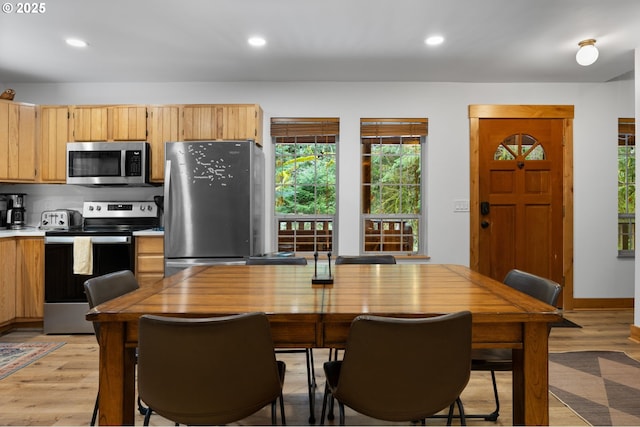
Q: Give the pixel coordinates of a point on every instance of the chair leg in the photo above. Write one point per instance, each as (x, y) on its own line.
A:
(341, 409)
(333, 353)
(324, 404)
(494, 415)
(95, 411)
(463, 419)
(141, 408)
(450, 414)
(311, 380)
(284, 420)
(313, 368)
(147, 416)
(330, 415)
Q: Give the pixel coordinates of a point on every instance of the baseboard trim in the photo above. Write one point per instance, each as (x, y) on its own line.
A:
(602, 303)
(635, 333)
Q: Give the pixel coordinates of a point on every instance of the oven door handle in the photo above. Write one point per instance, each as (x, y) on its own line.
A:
(96, 240)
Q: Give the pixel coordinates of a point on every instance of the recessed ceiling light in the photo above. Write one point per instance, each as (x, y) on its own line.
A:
(434, 40)
(257, 41)
(76, 42)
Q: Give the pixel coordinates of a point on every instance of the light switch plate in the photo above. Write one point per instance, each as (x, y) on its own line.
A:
(461, 205)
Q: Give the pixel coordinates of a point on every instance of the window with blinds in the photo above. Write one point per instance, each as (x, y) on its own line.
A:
(626, 187)
(392, 185)
(305, 182)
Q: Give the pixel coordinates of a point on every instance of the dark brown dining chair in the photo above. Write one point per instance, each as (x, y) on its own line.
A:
(208, 371)
(500, 359)
(365, 259)
(102, 289)
(311, 375)
(402, 370)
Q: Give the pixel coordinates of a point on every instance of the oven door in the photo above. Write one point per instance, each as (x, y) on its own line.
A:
(65, 301)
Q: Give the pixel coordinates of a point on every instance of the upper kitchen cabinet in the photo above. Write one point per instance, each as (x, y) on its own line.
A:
(109, 123)
(54, 134)
(163, 126)
(17, 142)
(222, 121)
(129, 123)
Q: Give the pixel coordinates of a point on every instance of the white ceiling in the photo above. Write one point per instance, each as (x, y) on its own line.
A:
(325, 40)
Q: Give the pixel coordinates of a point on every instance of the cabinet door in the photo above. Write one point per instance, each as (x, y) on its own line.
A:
(30, 277)
(199, 122)
(17, 142)
(129, 123)
(54, 134)
(163, 127)
(222, 121)
(240, 122)
(7, 280)
(90, 123)
(149, 259)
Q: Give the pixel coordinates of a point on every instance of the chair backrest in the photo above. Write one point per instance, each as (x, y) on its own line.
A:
(405, 369)
(366, 259)
(107, 287)
(538, 287)
(208, 371)
(260, 260)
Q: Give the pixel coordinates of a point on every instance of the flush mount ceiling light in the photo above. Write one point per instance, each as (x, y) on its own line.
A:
(76, 42)
(587, 53)
(257, 41)
(434, 40)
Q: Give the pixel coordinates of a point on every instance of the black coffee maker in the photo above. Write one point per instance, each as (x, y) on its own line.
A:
(3, 212)
(16, 214)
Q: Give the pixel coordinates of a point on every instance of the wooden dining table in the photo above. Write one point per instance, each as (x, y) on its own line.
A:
(302, 314)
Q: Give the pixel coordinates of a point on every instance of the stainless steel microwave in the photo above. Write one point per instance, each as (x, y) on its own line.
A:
(108, 163)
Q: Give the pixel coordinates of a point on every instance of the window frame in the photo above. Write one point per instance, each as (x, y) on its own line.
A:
(287, 130)
(626, 138)
(401, 128)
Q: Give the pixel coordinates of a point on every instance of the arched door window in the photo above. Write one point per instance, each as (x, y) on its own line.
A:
(519, 146)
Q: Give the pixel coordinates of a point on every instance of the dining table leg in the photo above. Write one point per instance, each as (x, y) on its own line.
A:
(116, 376)
(531, 377)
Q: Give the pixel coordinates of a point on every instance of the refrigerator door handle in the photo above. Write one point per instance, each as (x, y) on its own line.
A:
(167, 203)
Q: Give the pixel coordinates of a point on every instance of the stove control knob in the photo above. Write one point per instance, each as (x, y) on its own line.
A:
(142, 208)
(149, 208)
(98, 208)
(45, 222)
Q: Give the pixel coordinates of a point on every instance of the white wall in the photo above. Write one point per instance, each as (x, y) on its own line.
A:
(598, 272)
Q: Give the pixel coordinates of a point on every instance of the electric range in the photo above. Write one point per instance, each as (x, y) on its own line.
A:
(110, 226)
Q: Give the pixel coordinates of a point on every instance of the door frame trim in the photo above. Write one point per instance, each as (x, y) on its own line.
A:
(490, 111)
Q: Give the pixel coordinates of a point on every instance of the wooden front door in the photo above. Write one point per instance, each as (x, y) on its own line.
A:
(519, 196)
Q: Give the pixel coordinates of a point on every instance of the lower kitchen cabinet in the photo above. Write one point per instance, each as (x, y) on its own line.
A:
(149, 259)
(30, 278)
(8, 281)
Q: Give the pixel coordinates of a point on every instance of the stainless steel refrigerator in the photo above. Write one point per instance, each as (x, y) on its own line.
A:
(213, 203)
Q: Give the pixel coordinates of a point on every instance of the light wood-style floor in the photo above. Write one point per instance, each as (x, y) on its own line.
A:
(60, 388)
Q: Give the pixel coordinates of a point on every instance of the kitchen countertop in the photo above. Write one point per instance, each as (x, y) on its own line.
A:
(23, 232)
(36, 232)
(149, 232)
